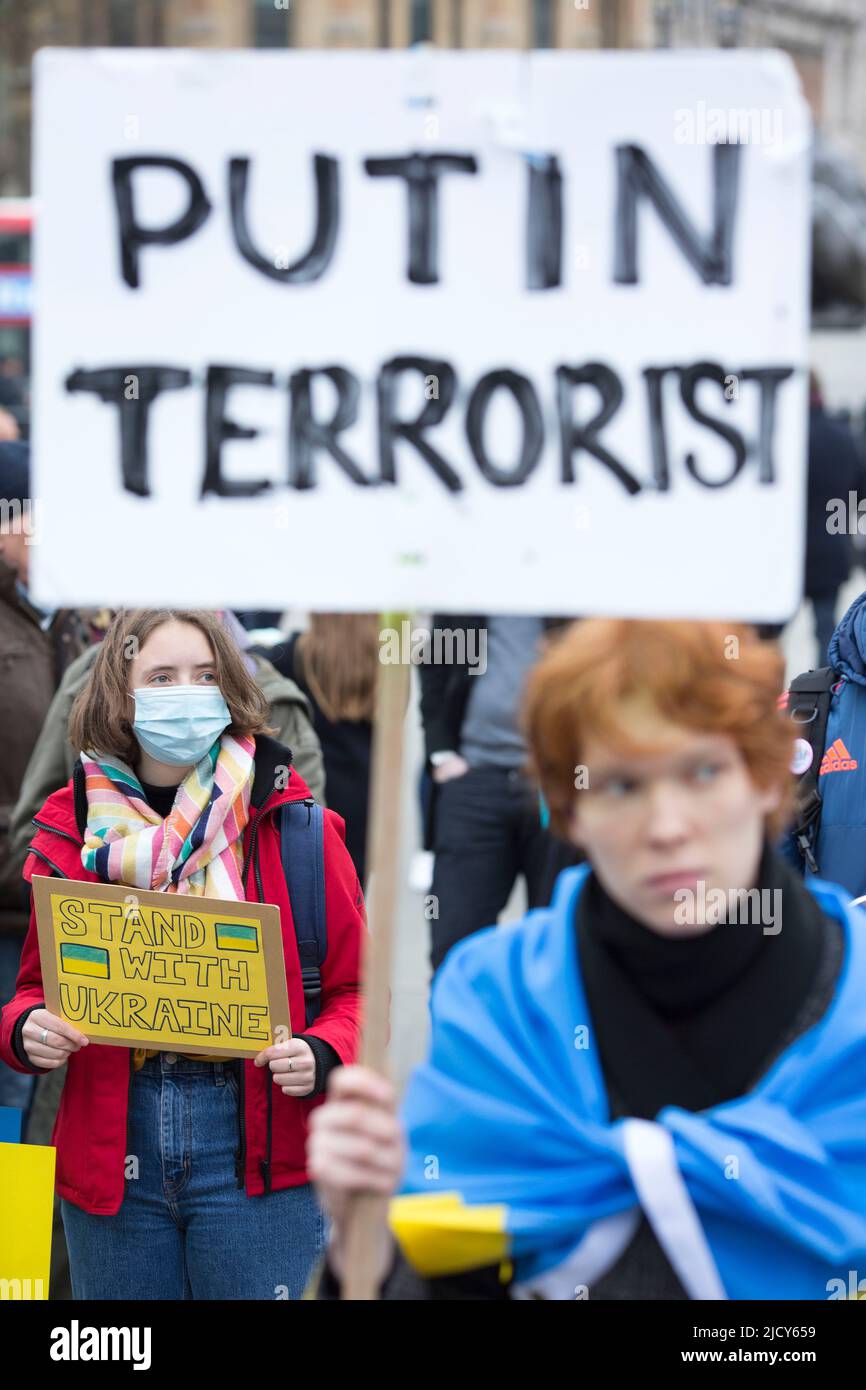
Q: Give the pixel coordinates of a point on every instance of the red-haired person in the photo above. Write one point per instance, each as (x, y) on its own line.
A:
(182, 1175)
(656, 1087)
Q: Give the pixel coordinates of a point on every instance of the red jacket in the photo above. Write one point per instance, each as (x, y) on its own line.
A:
(90, 1130)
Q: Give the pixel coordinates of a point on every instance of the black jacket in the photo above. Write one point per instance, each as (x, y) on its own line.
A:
(346, 752)
(835, 469)
(445, 688)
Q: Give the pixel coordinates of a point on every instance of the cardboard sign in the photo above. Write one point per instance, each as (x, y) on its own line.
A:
(487, 332)
(26, 1216)
(162, 970)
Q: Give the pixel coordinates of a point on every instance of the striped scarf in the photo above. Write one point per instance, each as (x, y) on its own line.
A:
(197, 849)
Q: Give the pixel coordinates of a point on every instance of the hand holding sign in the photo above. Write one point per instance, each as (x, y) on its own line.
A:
(159, 971)
(292, 1065)
(356, 1146)
(48, 1040)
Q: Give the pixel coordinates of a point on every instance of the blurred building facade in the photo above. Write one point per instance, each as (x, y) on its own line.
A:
(826, 38)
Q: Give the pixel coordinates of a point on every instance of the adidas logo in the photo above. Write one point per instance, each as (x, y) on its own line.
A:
(837, 759)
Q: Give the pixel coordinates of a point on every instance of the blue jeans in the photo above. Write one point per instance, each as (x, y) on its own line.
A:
(185, 1230)
(16, 1087)
(487, 830)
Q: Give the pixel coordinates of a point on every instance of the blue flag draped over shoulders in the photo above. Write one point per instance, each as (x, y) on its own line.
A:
(513, 1155)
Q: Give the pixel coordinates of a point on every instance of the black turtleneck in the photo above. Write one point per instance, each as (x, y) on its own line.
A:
(159, 799)
(692, 1021)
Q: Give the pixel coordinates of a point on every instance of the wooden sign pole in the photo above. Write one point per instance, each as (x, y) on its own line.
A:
(368, 1212)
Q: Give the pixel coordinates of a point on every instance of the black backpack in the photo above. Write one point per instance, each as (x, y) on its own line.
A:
(809, 699)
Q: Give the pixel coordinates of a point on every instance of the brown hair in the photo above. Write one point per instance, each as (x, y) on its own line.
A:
(100, 718)
(339, 660)
(708, 676)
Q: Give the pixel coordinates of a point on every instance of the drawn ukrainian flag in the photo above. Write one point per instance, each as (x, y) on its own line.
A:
(84, 960)
(232, 936)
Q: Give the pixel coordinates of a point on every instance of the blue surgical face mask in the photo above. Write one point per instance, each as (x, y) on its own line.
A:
(178, 724)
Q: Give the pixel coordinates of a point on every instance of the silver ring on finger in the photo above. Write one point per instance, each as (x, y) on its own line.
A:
(291, 1065)
(43, 1036)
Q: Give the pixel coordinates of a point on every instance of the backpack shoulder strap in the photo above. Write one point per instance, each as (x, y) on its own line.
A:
(809, 697)
(302, 850)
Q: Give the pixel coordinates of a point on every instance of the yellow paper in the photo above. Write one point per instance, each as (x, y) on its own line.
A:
(26, 1214)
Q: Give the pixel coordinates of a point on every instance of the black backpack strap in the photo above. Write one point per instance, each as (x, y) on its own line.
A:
(809, 698)
(302, 849)
(79, 794)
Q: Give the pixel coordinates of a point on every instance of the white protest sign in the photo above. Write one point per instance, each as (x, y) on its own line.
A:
(488, 332)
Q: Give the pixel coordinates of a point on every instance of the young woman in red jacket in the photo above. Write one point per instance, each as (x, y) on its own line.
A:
(185, 1176)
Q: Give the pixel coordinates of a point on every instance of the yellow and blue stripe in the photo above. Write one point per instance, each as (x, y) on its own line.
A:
(233, 936)
(76, 959)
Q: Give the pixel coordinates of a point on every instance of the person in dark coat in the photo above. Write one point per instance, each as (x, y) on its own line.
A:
(483, 818)
(335, 662)
(835, 471)
(27, 679)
